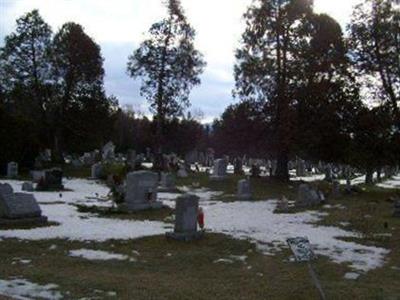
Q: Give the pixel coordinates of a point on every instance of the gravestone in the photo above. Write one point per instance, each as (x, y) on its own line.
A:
(308, 196)
(12, 170)
(219, 170)
(18, 208)
(52, 180)
(282, 206)
(328, 173)
(186, 212)
(300, 168)
(141, 191)
(96, 171)
(182, 173)
(167, 183)
(396, 212)
(244, 190)
(107, 152)
(27, 186)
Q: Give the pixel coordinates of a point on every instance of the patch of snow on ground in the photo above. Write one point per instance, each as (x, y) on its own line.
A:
(257, 222)
(351, 276)
(23, 290)
(97, 255)
(392, 183)
(80, 226)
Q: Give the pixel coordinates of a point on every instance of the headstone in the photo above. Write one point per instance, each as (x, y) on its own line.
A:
(52, 180)
(186, 211)
(16, 207)
(335, 189)
(308, 196)
(182, 173)
(328, 173)
(219, 170)
(282, 205)
(37, 175)
(76, 163)
(396, 212)
(141, 191)
(300, 168)
(96, 171)
(301, 248)
(167, 183)
(107, 152)
(27, 186)
(12, 170)
(244, 190)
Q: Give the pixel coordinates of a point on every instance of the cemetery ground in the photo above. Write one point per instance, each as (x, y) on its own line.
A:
(132, 259)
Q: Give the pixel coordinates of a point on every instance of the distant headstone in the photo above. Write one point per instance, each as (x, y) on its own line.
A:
(96, 170)
(182, 173)
(244, 190)
(300, 168)
(282, 205)
(12, 169)
(27, 186)
(301, 248)
(328, 173)
(141, 191)
(167, 183)
(219, 170)
(52, 180)
(15, 207)
(308, 196)
(107, 151)
(396, 212)
(186, 211)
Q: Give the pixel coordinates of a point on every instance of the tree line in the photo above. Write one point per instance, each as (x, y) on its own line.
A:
(304, 88)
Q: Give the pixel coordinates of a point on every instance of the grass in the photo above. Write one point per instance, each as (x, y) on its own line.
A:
(190, 271)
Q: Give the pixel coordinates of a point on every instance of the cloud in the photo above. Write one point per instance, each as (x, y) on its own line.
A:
(120, 25)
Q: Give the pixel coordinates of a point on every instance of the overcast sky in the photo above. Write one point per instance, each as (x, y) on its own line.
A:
(119, 26)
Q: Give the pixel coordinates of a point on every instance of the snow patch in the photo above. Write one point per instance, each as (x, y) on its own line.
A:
(97, 255)
(24, 290)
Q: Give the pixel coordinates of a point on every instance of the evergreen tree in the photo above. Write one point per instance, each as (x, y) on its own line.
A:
(169, 66)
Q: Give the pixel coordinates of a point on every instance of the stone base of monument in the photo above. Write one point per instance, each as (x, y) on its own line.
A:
(185, 236)
(140, 206)
(217, 178)
(23, 221)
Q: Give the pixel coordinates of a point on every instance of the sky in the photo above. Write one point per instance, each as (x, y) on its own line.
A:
(119, 26)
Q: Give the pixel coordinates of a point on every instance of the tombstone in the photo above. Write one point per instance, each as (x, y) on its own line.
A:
(167, 183)
(16, 208)
(27, 186)
(328, 173)
(12, 170)
(308, 196)
(107, 152)
(141, 191)
(219, 170)
(335, 189)
(88, 158)
(186, 212)
(76, 163)
(182, 173)
(244, 190)
(37, 175)
(52, 180)
(396, 212)
(96, 171)
(300, 168)
(237, 166)
(282, 205)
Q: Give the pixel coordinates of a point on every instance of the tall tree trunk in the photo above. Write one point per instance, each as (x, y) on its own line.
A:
(369, 176)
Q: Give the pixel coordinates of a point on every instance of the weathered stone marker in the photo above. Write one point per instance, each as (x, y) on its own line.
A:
(167, 183)
(141, 191)
(308, 196)
(396, 211)
(27, 186)
(18, 208)
(51, 180)
(12, 169)
(96, 170)
(244, 190)
(186, 211)
(219, 169)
